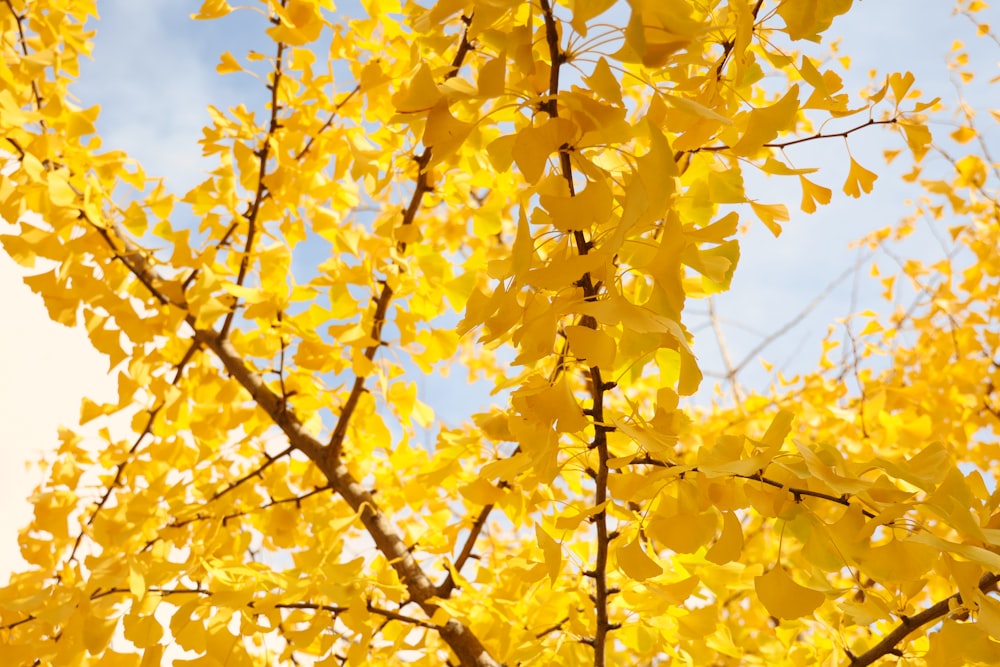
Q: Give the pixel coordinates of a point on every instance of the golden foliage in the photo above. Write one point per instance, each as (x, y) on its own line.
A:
(494, 181)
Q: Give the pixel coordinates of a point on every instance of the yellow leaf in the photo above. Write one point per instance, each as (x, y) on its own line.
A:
(918, 137)
(898, 561)
(300, 22)
(989, 614)
(717, 265)
(717, 232)
(585, 10)
(858, 179)
(591, 205)
(481, 492)
(963, 135)
(694, 108)
(97, 632)
(492, 78)
(603, 82)
(730, 544)
(212, 9)
(683, 533)
(900, 85)
(805, 19)
(152, 656)
(971, 172)
(771, 215)
(783, 598)
(419, 94)
(533, 145)
(143, 631)
(595, 347)
(812, 193)
(228, 64)
(551, 551)
(633, 561)
(764, 124)
(444, 132)
(61, 193)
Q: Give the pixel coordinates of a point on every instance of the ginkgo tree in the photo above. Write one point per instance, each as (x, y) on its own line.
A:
(529, 193)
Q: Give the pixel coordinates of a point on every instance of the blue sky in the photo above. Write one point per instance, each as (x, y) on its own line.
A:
(154, 74)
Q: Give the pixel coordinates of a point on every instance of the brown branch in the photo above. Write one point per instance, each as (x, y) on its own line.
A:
(423, 186)
(329, 121)
(378, 319)
(396, 616)
(552, 628)
(269, 504)
(797, 492)
(445, 589)
(270, 460)
(462, 641)
(135, 446)
(598, 387)
(263, 153)
(792, 142)
(19, 19)
(727, 46)
(466, 645)
(909, 624)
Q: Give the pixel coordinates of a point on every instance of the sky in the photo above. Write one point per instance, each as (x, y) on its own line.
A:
(153, 75)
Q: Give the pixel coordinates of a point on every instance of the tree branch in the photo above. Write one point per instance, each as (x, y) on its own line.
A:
(912, 623)
(797, 492)
(263, 153)
(445, 589)
(598, 387)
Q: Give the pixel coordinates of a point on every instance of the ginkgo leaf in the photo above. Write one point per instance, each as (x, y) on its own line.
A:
(444, 132)
(533, 145)
(228, 64)
(898, 561)
(590, 205)
(683, 533)
(989, 613)
(212, 9)
(551, 551)
(633, 561)
(783, 598)
(693, 107)
(716, 232)
(771, 215)
(586, 10)
(765, 123)
(812, 194)
(593, 346)
(730, 544)
(805, 19)
(971, 171)
(604, 82)
(419, 94)
(858, 179)
(481, 492)
(143, 631)
(492, 77)
(300, 22)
